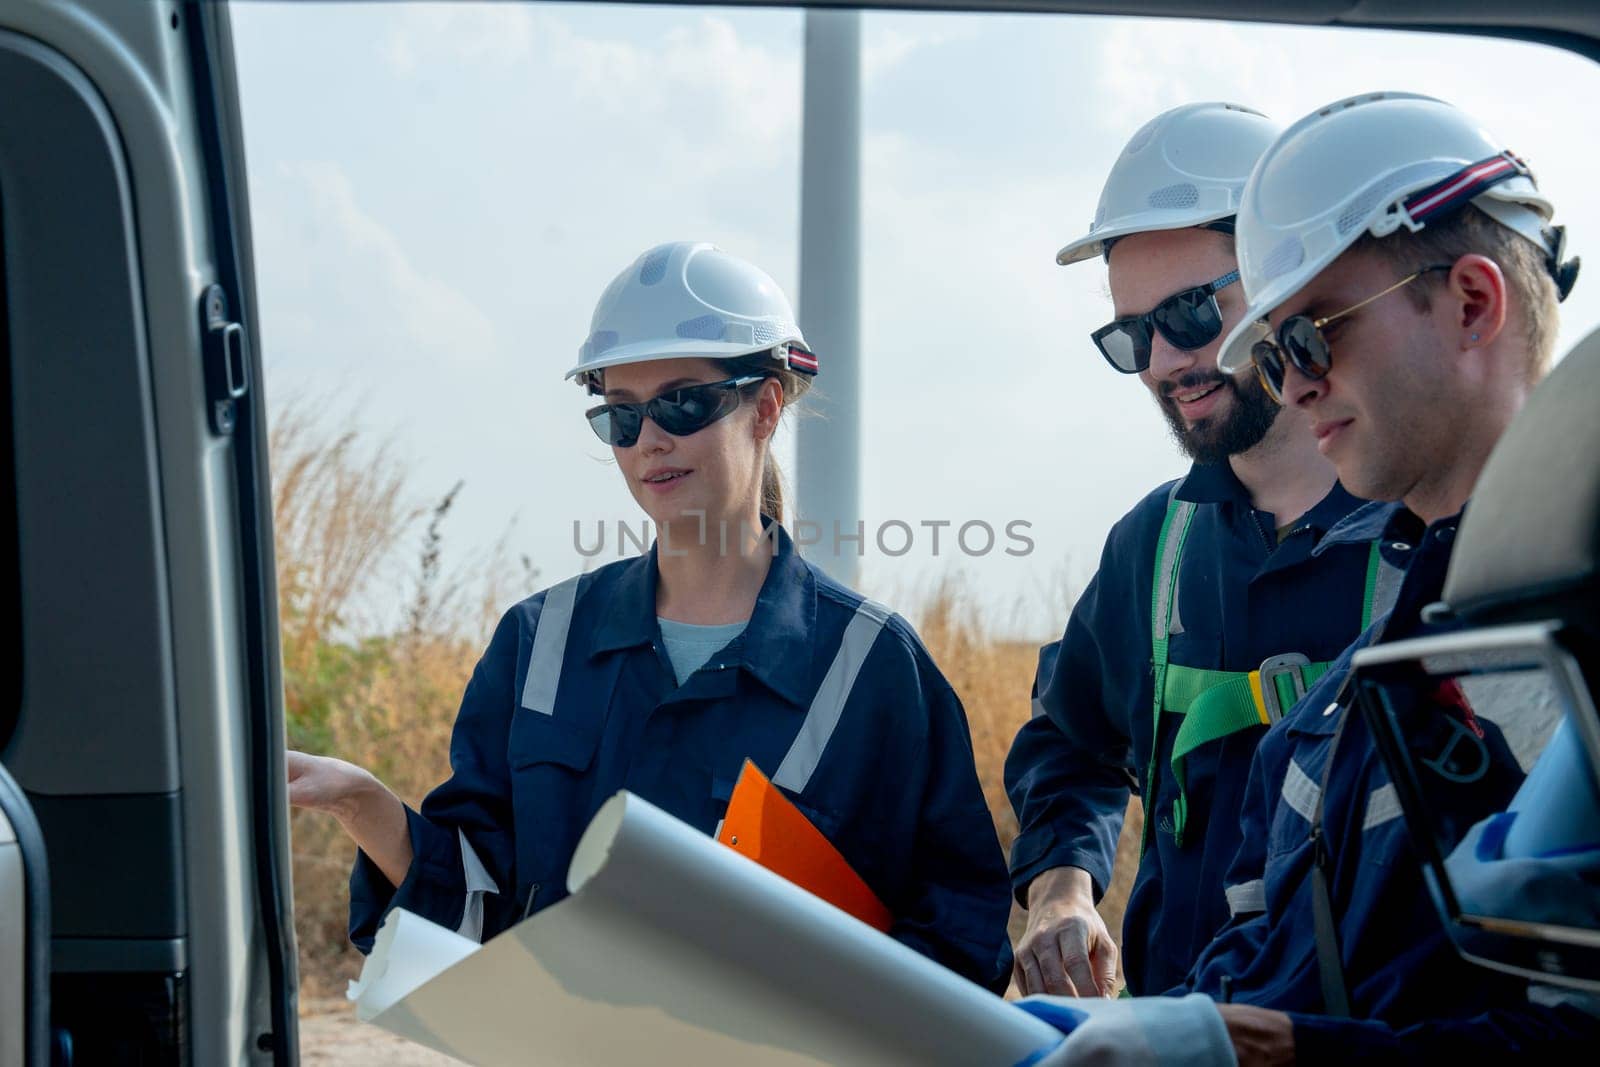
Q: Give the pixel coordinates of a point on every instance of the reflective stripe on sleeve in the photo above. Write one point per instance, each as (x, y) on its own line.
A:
(1300, 792)
(1383, 805)
(1247, 898)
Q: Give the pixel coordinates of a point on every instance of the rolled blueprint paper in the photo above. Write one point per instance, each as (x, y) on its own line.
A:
(674, 949)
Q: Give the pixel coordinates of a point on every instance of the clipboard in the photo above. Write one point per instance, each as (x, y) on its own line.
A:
(764, 825)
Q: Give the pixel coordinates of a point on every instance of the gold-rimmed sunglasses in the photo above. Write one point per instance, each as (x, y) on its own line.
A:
(1300, 341)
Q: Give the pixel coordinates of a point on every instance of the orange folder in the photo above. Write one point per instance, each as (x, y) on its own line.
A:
(764, 825)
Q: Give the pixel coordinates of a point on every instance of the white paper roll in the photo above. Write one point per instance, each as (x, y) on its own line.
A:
(674, 949)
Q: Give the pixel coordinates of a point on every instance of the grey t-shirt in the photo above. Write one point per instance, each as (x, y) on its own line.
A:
(689, 646)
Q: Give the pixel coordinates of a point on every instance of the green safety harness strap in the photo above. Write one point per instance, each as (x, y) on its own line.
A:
(1214, 703)
(1169, 551)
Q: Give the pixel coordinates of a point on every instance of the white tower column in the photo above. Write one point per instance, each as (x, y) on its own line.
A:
(828, 474)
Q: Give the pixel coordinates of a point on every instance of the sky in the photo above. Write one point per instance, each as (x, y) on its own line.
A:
(439, 193)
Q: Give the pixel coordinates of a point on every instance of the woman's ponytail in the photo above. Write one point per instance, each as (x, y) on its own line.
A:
(772, 490)
(793, 386)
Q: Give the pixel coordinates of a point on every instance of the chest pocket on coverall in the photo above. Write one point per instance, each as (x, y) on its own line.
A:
(550, 758)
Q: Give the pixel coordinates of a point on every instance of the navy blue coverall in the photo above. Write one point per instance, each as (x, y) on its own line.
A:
(1243, 596)
(831, 695)
(1411, 995)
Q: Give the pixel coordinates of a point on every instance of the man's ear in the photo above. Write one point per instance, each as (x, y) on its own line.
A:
(1476, 288)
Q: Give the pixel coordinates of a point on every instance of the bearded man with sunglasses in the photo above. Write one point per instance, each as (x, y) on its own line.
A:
(1219, 598)
(1403, 278)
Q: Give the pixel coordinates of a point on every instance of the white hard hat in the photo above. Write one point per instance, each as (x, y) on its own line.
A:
(1185, 167)
(1369, 164)
(690, 299)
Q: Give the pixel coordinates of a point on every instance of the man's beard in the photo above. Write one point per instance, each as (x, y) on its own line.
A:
(1216, 437)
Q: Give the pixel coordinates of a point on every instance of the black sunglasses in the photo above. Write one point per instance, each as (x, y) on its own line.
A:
(1188, 320)
(1301, 342)
(680, 412)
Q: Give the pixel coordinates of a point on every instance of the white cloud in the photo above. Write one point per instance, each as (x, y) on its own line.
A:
(439, 35)
(742, 97)
(885, 44)
(618, 73)
(667, 98)
(316, 221)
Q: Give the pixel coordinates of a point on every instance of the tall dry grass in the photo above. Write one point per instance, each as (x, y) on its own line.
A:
(378, 638)
(376, 679)
(994, 678)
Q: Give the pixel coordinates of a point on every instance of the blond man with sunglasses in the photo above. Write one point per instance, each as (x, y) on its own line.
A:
(1220, 597)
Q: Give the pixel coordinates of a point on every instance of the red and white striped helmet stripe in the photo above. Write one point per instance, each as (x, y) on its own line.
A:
(1463, 185)
(801, 360)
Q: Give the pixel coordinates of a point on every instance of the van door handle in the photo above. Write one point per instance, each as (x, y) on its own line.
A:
(227, 361)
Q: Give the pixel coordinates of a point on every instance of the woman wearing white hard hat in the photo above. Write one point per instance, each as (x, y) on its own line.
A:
(662, 674)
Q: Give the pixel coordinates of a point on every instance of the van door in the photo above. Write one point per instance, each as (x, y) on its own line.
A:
(147, 735)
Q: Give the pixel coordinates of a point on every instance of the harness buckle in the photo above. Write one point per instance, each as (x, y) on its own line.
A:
(1289, 665)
